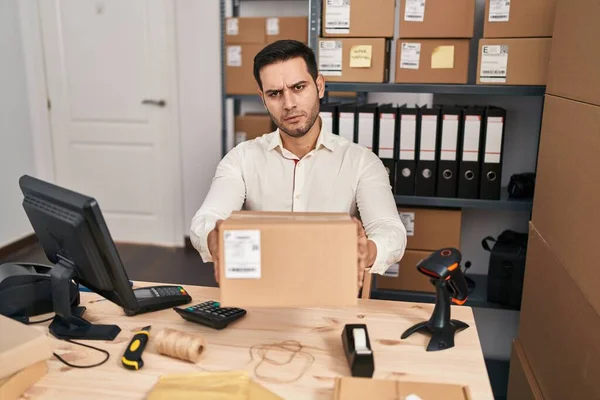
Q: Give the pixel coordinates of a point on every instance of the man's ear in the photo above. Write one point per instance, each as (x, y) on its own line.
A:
(320, 85)
(262, 98)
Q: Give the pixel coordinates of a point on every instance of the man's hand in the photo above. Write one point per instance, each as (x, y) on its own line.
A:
(363, 251)
(213, 247)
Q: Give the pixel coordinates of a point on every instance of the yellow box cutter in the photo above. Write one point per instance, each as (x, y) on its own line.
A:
(132, 359)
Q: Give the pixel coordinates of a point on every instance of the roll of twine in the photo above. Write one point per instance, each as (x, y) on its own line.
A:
(182, 345)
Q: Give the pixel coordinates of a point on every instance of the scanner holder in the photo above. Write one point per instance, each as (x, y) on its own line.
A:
(67, 322)
(445, 266)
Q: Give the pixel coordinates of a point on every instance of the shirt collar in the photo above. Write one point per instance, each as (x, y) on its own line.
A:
(325, 139)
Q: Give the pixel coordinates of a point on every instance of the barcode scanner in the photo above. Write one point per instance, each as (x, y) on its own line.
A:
(444, 271)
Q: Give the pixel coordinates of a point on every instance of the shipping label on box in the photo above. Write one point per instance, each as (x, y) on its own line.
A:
(330, 57)
(234, 56)
(414, 10)
(337, 16)
(494, 63)
(242, 254)
(408, 219)
(393, 271)
(272, 27)
(410, 56)
(499, 11)
(233, 27)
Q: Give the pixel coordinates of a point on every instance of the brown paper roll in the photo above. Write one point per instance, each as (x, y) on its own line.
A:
(183, 345)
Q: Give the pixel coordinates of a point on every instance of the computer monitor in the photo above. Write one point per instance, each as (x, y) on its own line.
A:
(72, 231)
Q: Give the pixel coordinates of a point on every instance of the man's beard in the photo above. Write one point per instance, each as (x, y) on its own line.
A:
(298, 132)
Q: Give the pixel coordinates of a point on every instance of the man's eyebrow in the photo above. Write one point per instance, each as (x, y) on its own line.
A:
(270, 91)
(297, 83)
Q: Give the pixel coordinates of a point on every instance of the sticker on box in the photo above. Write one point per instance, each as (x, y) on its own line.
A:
(494, 63)
(233, 27)
(408, 219)
(234, 56)
(393, 271)
(272, 26)
(414, 11)
(337, 16)
(330, 57)
(242, 254)
(499, 11)
(410, 55)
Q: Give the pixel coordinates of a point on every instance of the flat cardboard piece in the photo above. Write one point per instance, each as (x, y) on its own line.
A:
(288, 261)
(575, 57)
(531, 18)
(441, 19)
(293, 28)
(245, 30)
(528, 61)
(431, 229)
(251, 126)
(239, 64)
(522, 384)
(408, 277)
(355, 388)
(12, 387)
(367, 18)
(558, 327)
(378, 71)
(427, 66)
(21, 346)
(567, 191)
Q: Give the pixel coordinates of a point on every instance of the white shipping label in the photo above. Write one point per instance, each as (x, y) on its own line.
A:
(273, 26)
(414, 10)
(234, 56)
(387, 124)
(499, 11)
(428, 137)
(347, 126)
(410, 55)
(242, 254)
(408, 219)
(408, 137)
(494, 63)
(337, 16)
(327, 118)
(393, 271)
(233, 27)
(330, 57)
(240, 137)
(449, 137)
(365, 130)
(471, 138)
(493, 140)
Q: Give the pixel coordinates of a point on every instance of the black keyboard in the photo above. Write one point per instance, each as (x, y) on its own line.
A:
(211, 314)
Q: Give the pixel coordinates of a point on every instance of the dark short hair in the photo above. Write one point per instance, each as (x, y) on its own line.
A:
(283, 50)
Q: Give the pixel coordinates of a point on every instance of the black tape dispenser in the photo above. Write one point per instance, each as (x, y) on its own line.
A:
(357, 347)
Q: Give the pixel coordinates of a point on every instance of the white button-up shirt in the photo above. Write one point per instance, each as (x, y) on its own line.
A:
(337, 176)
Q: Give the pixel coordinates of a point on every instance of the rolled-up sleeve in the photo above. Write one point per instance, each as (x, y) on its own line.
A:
(227, 193)
(378, 212)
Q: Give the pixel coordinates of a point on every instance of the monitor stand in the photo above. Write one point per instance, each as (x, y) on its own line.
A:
(67, 322)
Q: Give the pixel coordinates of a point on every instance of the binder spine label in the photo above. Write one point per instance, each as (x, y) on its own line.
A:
(499, 11)
(428, 137)
(494, 62)
(471, 138)
(493, 140)
(449, 137)
(414, 10)
(410, 55)
(347, 126)
(330, 57)
(386, 135)
(337, 16)
(408, 133)
(365, 130)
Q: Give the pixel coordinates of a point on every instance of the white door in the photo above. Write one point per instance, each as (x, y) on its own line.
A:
(109, 68)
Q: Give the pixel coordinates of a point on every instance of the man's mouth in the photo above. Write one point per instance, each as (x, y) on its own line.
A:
(293, 118)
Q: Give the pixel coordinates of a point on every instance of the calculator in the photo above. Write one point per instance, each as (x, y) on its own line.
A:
(211, 314)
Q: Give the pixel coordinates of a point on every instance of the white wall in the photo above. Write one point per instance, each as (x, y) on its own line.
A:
(16, 143)
(199, 69)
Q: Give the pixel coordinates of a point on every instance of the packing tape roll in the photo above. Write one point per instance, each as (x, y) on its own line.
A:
(178, 344)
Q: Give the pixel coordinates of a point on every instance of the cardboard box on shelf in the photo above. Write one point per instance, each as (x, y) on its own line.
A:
(513, 61)
(567, 192)
(279, 28)
(432, 60)
(405, 276)
(250, 126)
(518, 19)
(239, 61)
(245, 30)
(288, 260)
(358, 18)
(522, 384)
(575, 60)
(437, 19)
(354, 59)
(431, 229)
(558, 327)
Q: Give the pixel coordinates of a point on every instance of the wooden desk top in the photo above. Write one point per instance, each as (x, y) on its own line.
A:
(319, 331)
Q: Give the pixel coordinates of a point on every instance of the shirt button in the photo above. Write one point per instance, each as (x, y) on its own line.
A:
(297, 196)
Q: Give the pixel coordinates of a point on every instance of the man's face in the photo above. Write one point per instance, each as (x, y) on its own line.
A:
(291, 96)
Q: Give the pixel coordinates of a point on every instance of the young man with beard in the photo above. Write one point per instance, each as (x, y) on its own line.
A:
(302, 167)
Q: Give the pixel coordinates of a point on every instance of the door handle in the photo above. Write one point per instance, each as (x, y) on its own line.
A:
(158, 103)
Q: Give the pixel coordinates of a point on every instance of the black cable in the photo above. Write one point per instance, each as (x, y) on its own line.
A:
(84, 366)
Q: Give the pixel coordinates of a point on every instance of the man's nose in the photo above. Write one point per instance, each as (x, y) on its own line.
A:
(289, 101)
